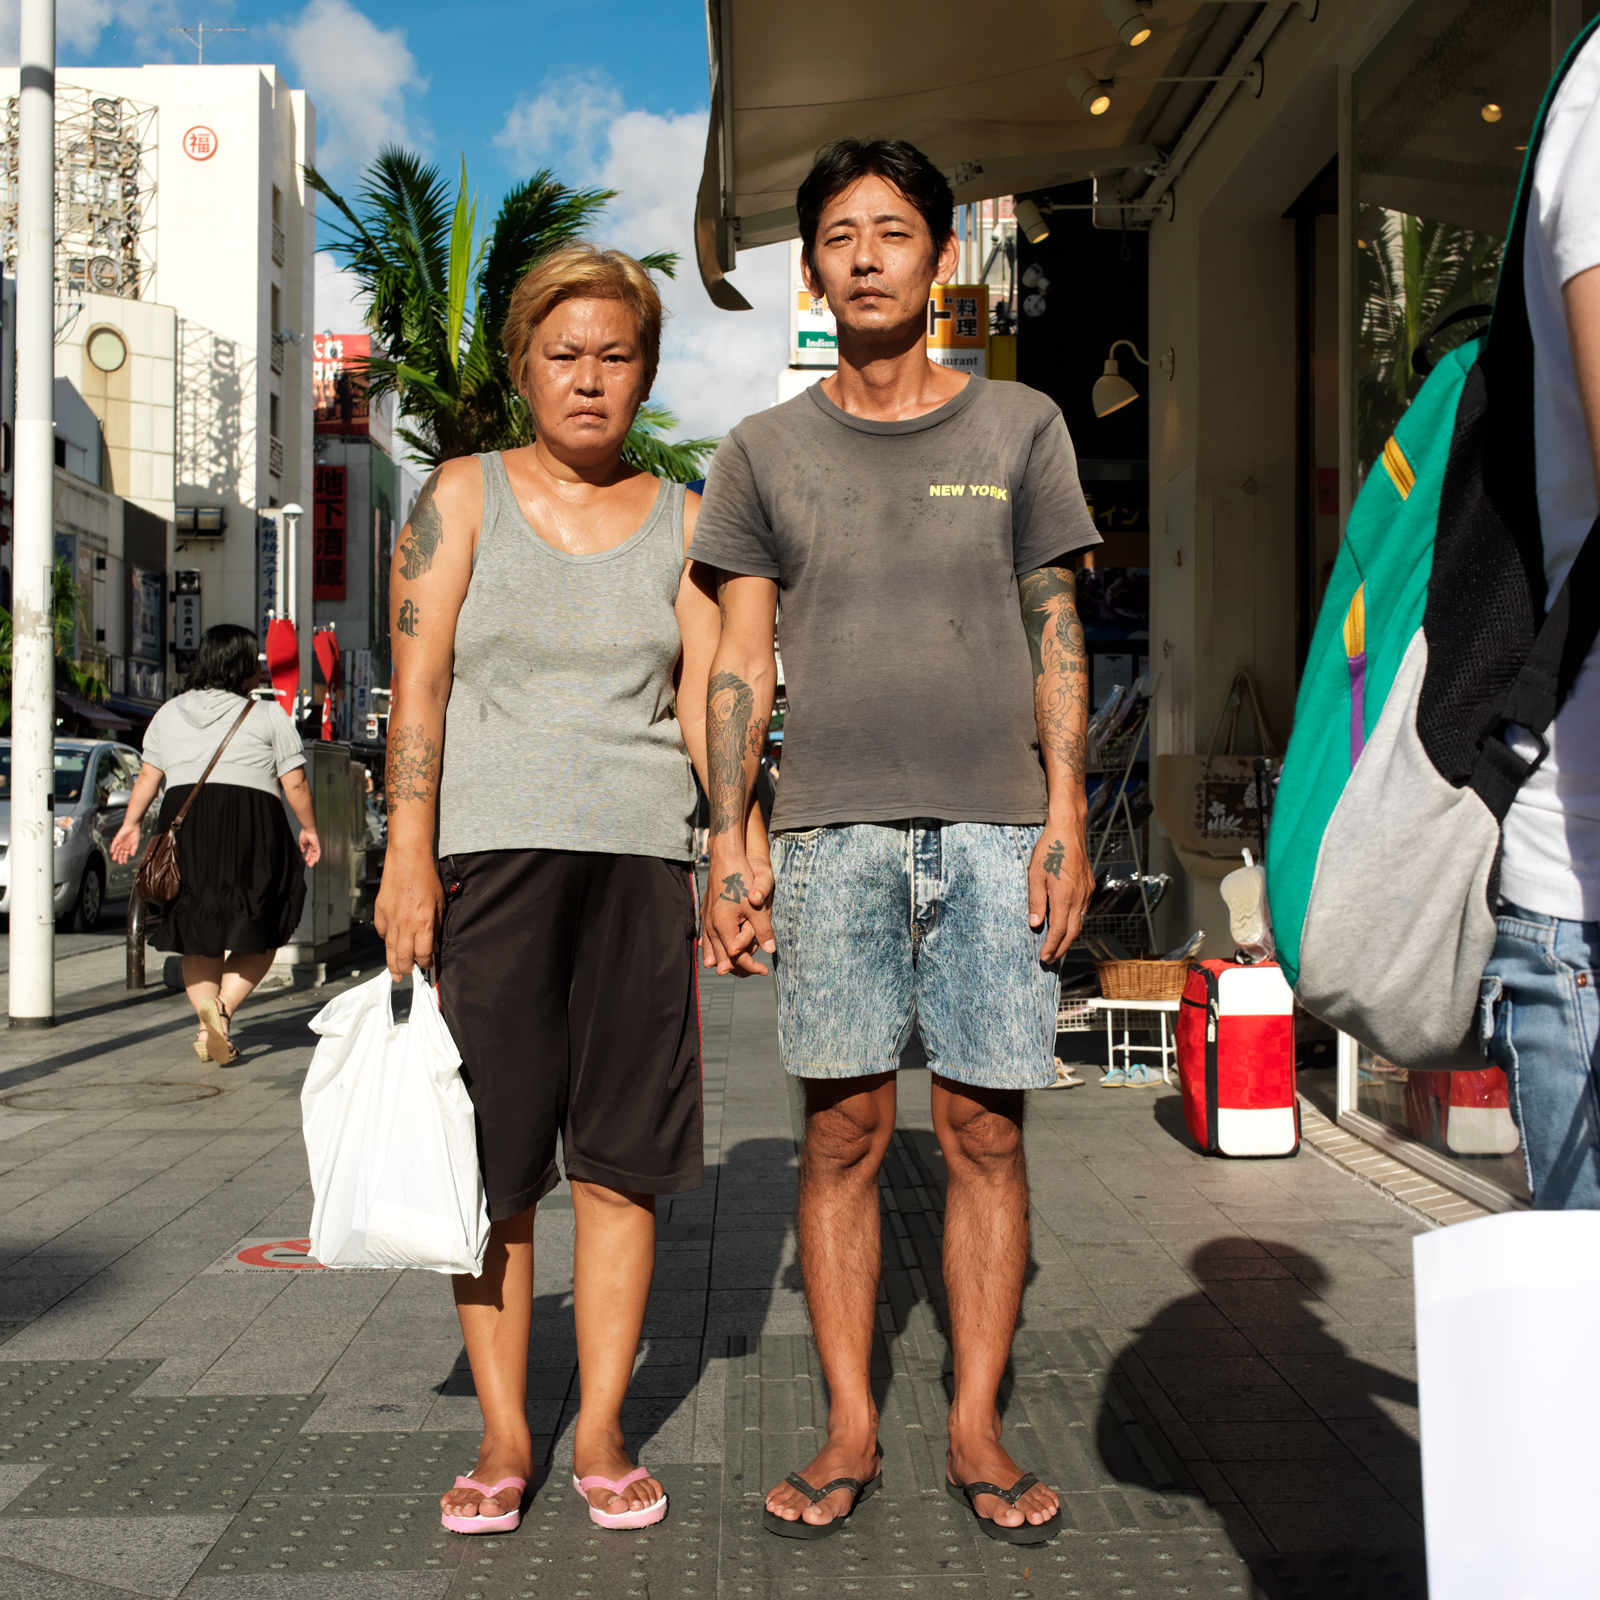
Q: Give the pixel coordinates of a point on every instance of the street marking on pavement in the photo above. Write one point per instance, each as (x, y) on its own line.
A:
(272, 1253)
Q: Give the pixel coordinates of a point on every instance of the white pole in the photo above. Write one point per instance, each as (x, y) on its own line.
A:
(33, 668)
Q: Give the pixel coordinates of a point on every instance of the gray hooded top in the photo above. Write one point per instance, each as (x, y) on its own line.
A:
(185, 733)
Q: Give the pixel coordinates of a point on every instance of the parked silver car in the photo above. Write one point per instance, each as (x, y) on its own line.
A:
(93, 784)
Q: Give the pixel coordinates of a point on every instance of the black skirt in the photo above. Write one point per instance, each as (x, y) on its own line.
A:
(244, 884)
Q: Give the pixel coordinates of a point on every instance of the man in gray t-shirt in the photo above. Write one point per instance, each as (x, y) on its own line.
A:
(928, 845)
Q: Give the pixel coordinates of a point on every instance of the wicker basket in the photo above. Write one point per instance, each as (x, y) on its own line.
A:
(1142, 980)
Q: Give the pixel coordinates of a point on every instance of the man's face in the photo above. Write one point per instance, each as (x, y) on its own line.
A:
(874, 260)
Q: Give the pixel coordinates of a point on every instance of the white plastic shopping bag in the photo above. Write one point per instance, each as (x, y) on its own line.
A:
(390, 1135)
(1507, 1308)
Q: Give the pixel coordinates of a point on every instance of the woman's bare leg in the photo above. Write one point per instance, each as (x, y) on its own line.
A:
(614, 1259)
(202, 981)
(240, 976)
(496, 1310)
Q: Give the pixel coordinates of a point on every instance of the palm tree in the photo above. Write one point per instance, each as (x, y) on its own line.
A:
(1411, 271)
(439, 295)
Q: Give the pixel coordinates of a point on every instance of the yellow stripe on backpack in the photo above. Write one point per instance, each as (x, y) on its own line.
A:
(1398, 468)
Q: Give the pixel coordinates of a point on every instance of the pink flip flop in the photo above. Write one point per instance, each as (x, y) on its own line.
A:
(476, 1524)
(642, 1518)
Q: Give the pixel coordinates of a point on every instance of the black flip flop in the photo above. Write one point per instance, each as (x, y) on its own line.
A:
(800, 1528)
(1023, 1533)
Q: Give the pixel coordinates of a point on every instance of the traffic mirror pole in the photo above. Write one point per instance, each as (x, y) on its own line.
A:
(33, 671)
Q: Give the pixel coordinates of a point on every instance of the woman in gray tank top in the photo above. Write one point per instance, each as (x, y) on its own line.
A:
(551, 651)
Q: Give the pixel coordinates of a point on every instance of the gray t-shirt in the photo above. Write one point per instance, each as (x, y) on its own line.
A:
(184, 734)
(896, 547)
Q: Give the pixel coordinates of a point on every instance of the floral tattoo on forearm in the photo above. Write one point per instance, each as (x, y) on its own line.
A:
(1060, 664)
(412, 770)
(733, 732)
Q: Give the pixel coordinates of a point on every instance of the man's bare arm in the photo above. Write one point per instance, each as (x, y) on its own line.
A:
(744, 676)
(1580, 297)
(1059, 880)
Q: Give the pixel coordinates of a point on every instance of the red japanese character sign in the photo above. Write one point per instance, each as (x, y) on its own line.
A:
(200, 143)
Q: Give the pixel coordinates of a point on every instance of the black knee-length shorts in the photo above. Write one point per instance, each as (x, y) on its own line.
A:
(568, 979)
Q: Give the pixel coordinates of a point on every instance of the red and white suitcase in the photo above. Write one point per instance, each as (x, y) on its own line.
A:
(1236, 1060)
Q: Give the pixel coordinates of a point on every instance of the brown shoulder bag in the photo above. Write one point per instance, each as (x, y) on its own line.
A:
(159, 881)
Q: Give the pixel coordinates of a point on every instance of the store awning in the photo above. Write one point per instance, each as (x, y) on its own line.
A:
(984, 92)
(91, 711)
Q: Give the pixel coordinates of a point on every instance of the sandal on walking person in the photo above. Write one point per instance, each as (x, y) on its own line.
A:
(504, 1522)
(1025, 1532)
(640, 1517)
(214, 1019)
(800, 1528)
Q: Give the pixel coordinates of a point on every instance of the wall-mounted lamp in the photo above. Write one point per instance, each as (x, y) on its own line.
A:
(1031, 220)
(1094, 95)
(1130, 19)
(1035, 279)
(1111, 390)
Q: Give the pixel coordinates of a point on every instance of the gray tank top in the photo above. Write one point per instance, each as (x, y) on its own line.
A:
(560, 733)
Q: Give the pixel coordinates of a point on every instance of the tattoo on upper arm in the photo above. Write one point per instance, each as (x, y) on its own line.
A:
(732, 727)
(413, 766)
(410, 616)
(424, 532)
(1060, 663)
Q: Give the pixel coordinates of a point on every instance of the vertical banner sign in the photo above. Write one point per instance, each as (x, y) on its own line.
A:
(339, 382)
(185, 618)
(267, 536)
(328, 534)
(361, 695)
(958, 327)
(813, 334)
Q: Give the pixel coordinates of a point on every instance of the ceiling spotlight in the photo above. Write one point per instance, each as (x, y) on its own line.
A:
(1491, 112)
(1111, 390)
(1034, 278)
(1130, 20)
(1031, 220)
(1095, 95)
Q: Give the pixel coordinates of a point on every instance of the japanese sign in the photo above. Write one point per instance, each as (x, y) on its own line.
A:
(186, 616)
(339, 382)
(813, 334)
(200, 143)
(328, 534)
(149, 596)
(958, 326)
(267, 549)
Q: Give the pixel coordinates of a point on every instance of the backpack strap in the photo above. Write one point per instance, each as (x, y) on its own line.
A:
(1558, 653)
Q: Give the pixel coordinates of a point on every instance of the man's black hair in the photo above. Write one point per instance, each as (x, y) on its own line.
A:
(226, 659)
(845, 161)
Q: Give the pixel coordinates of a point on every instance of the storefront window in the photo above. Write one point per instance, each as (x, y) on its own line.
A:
(1441, 117)
(1443, 108)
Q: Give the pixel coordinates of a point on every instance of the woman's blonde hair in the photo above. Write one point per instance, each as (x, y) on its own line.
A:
(581, 272)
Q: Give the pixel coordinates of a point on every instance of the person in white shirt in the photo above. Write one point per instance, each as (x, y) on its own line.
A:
(1547, 955)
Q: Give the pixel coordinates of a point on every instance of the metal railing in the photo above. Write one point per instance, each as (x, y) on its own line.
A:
(277, 352)
(275, 456)
(278, 249)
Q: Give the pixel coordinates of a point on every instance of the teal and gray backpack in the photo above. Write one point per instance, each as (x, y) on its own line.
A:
(1433, 640)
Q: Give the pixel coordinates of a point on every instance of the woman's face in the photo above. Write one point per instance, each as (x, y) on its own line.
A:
(585, 378)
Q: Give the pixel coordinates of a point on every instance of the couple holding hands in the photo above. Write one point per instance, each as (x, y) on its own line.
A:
(577, 635)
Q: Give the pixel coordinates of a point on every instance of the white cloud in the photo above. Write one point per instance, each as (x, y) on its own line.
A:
(716, 366)
(79, 24)
(341, 306)
(362, 79)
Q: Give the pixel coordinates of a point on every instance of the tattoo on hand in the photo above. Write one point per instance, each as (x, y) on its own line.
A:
(730, 713)
(1060, 664)
(423, 533)
(733, 887)
(1053, 858)
(413, 766)
(410, 616)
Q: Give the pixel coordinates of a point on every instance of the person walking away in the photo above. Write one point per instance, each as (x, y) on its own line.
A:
(243, 887)
(929, 826)
(547, 625)
(1542, 978)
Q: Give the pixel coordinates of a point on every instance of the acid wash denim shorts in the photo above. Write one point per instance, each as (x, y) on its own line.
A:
(881, 925)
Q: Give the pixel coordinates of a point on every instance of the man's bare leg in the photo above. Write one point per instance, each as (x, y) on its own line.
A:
(985, 1257)
(849, 1122)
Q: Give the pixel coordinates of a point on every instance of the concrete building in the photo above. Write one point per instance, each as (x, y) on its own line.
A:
(221, 246)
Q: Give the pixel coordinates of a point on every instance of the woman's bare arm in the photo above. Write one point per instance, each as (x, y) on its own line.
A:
(125, 846)
(298, 793)
(428, 582)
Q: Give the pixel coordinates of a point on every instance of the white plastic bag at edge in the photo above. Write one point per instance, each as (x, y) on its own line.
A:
(390, 1136)
(1507, 1308)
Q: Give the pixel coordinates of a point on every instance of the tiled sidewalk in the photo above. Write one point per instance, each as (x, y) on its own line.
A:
(1215, 1366)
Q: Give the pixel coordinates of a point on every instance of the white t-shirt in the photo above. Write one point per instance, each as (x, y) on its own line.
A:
(1551, 859)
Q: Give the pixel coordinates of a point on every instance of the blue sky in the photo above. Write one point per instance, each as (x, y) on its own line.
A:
(513, 87)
